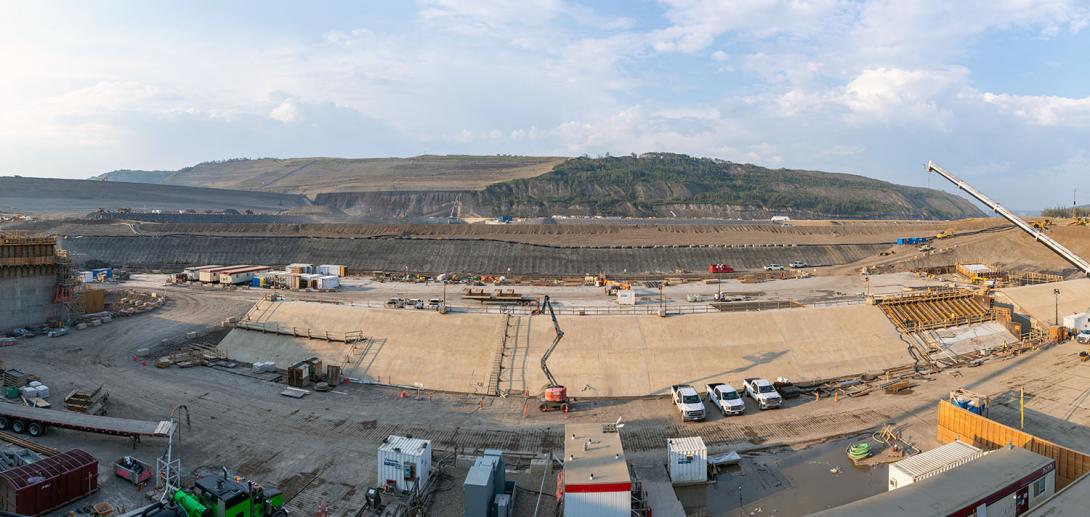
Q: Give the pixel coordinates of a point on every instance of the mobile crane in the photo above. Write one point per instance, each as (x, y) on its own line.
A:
(1032, 230)
(554, 396)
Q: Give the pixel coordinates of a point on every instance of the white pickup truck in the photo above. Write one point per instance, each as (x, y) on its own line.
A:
(763, 393)
(688, 402)
(726, 398)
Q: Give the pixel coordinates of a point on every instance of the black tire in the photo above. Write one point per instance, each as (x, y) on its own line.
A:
(18, 426)
(280, 512)
(35, 429)
(5, 423)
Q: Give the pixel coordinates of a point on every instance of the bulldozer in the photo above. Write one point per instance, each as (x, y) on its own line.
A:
(949, 232)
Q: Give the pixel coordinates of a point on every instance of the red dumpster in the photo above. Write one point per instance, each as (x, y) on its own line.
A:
(48, 484)
(720, 268)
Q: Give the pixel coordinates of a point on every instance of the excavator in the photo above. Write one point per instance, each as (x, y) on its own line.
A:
(554, 396)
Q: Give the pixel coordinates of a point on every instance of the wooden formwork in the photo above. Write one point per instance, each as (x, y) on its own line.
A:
(955, 423)
(935, 309)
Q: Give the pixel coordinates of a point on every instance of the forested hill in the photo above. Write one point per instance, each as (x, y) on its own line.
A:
(662, 184)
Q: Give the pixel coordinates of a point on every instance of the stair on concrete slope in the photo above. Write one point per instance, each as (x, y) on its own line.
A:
(493, 385)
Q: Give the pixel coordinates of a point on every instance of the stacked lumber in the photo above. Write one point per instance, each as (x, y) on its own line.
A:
(92, 402)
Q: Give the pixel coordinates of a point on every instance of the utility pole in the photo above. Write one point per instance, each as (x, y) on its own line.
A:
(1057, 293)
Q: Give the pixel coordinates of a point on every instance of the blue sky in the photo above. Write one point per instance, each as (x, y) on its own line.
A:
(997, 91)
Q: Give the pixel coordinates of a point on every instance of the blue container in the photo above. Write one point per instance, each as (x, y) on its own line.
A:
(255, 282)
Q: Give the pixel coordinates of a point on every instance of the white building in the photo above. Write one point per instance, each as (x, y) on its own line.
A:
(596, 478)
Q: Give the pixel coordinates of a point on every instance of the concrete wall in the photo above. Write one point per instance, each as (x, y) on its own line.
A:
(27, 300)
(600, 356)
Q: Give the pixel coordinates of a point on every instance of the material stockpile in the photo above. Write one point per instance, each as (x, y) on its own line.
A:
(92, 402)
(136, 302)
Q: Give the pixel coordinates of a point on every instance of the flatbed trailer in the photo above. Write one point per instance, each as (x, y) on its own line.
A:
(35, 422)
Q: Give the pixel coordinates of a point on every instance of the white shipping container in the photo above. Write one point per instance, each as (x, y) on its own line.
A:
(404, 463)
(626, 297)
(688, 458)
(331, 269)
(328, 282)
(930, 463)
(1077, 322)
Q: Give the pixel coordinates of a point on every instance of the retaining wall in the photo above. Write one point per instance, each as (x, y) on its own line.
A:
(444, 255)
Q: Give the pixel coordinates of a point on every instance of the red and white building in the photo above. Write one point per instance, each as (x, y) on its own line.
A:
(595, 481)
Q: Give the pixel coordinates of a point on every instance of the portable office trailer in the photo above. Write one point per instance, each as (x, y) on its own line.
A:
(688, 459)
(404, 463)
(48, 484)
(193, 273)
(329, 282)
(596, 481)
(300, 269)
(1005, 482)
(934, 461)
(212, 275)
(241, 275)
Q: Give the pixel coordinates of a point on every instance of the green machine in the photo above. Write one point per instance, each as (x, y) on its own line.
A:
(220, 496)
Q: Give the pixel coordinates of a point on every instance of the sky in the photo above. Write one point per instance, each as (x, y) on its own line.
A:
(996, 91)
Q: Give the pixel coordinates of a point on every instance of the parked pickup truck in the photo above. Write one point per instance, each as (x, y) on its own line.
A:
(688, 402)
(763, 393)
(726, 398)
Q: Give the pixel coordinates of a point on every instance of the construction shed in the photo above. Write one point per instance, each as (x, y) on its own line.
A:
(1007, 481)
(48, 484)
(596, 481)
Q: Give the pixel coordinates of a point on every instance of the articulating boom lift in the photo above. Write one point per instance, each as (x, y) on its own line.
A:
(555, 395)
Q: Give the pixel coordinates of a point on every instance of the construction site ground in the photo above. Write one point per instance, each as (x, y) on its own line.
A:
(322, 448)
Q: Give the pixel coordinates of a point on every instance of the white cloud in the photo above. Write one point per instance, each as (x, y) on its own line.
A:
(286, 111)
(1043, 110)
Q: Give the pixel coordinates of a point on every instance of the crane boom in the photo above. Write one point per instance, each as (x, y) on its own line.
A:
(1037, 235)
(546, 304)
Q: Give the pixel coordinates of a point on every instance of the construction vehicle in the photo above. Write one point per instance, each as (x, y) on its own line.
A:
(1080, 221)
(554, 396)
(1032, 230)
(221, 496)
(1042, 224)
(949, 232)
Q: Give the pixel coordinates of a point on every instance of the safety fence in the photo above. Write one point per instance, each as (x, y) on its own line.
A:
(955, 423)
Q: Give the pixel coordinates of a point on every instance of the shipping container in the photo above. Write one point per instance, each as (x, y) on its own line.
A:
(300, 269)
(688, 458)
(626, 297)
(48, 484)
(331, 269)
(404, 463)
(328, 282)
(927, 464)
(1077, 322)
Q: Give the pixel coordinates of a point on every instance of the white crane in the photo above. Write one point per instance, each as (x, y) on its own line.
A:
(1037, 235)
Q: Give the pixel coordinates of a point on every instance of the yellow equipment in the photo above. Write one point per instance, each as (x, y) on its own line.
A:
(949, 232)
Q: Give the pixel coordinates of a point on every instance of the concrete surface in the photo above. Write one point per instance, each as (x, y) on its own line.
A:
(27, 300)
(599, 356)
(1039, 302)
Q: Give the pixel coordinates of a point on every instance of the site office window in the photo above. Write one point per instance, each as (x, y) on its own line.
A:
(1039, 487)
